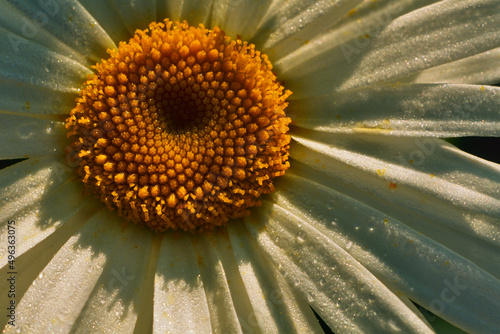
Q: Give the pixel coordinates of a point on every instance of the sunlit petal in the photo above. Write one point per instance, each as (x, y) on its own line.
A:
(404, 110)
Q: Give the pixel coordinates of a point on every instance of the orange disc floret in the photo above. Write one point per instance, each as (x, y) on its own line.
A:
(181, 128)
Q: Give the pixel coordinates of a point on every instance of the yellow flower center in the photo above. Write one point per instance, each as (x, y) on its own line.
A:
(181, 128)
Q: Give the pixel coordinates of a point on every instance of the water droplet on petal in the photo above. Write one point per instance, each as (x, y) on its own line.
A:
(301, 237)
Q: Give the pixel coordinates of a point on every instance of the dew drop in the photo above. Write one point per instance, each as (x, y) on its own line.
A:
(48, 130)
(301, 237)
(348, 245)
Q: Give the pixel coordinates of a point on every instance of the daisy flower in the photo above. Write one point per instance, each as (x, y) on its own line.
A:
(182, 117)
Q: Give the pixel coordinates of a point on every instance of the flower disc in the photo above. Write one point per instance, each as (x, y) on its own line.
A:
(181, 128)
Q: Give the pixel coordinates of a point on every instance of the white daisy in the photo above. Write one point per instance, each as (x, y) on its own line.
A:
(375, 212)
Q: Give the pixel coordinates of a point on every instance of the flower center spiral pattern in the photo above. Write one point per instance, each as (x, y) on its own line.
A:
(181, 128)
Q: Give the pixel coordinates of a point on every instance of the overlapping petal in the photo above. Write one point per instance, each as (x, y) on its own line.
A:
(214, 275)
(105, 14)
(194, 12)
(33, 64)
(61, 26)
(23, 136)
(343, 292)
(419, 110)
(354, 32)
(178, 279)
(436, 277)
(56, 297)
(115, 301)
(239, 17)
(285, 27)
(134, 14)
(483, 68)
(36, 196)
(278, 308)
(431, 36)
(429, 185)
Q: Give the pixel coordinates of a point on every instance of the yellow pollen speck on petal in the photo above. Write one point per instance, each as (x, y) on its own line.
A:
(181, 128)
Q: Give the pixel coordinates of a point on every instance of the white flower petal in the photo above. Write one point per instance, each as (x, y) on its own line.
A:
(46, 210)
(434, 35)
(355, 31)
(135, 14)
(441, 192)
(343, 292)
(180, 303)
(113, 305)
(404, 110)
(238, 17)
(277, 308)
(20, 28)
(145, 306)
(245, 312)
(428, 37)
(59, 26)
(25, 136)
(56, 297)
(194, 12)
(30, 99)
(33, 261)
(36, 197)
(188, 296)
(38, 78)
(35, 65)
(288, 26)
(435, 277)
(105, 13)
(221, 304)
(483, 68)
